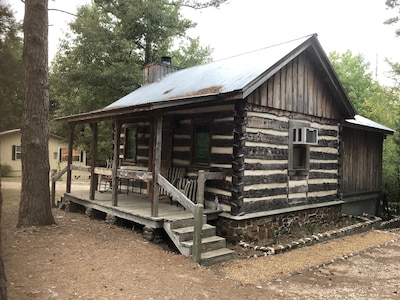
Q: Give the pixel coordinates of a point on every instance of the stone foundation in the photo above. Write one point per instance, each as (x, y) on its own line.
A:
(264, 229)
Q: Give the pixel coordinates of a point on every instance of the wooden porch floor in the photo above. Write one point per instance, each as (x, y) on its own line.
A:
(134, 207)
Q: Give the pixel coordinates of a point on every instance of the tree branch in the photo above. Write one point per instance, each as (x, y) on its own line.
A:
(63, 11)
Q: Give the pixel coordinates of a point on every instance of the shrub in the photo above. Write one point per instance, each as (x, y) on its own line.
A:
(5, 169)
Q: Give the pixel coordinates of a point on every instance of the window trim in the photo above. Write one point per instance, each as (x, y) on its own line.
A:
(16, 152)
(299, 171)
(75, 153)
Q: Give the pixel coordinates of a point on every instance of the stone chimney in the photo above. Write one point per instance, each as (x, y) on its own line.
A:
(155, 71)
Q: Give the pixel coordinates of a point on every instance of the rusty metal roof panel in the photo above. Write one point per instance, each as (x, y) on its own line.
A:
(220, 77)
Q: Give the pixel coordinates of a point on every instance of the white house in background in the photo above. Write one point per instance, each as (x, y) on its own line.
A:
(10, 153)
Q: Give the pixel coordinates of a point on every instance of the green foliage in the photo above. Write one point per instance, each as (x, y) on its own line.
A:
(11, 75)
(376, 102)
(102, 58)
(393, 4)
(5, 169)
(357, 80)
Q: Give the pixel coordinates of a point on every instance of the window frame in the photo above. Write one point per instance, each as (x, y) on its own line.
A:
(16, 152)
(301, 148)
(77, 155)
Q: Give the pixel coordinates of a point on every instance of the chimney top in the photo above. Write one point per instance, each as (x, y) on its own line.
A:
(166, 60)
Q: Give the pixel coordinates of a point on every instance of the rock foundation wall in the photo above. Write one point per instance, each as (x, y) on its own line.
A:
(266, 229)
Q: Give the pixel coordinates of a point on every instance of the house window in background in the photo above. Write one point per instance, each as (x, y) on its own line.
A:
(16, 152)
(201, 144)
(130, 144)
(77, 155)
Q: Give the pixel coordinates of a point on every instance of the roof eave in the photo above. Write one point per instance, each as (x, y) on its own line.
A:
(114, 113)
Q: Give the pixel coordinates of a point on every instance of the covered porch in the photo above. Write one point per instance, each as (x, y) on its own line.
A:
(133, 207)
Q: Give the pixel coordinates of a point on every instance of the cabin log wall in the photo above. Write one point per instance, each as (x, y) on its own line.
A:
(221, 120)
(267, 185)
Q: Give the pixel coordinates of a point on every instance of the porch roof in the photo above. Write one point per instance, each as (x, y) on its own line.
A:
(232, 78)
(367, 124)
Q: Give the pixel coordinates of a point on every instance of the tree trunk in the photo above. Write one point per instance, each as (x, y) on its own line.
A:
(35, 206)
(3, 286)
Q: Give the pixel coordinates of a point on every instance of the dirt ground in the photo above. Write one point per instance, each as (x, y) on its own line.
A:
(82, 258)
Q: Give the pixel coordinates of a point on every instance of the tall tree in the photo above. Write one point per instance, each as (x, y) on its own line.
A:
(375, 102)
(102, 60)
(356, 77)
(11, 75)
(394, 5)
(3, 285)
(35, 208)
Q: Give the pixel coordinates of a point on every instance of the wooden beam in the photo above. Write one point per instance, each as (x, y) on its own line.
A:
(202, 177)
(93, 176)
(71, 128)
(157, 145)
(198, 225)
(115, 181)
(175, 193)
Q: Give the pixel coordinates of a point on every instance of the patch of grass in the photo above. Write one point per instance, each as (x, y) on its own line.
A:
(11, 179)
(11, 197)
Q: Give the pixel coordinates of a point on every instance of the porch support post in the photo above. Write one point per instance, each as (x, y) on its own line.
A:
(93, 176)
(71, 128)
(156, 163)
(117, 142)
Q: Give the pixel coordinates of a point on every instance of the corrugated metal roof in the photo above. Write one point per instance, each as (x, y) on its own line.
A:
(9, 131)
(364, 122)
(18, 130)
(223, 76)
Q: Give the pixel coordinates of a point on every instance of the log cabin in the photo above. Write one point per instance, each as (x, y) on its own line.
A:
(269, 137)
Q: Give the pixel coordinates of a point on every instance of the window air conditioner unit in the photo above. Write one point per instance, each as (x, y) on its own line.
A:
(305, 136)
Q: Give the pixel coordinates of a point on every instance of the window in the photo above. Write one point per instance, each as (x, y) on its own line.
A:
(201, 144)
(299, 160)
(130, 144)
(301, 136)
(305, 135)
(16, 152)
(76, 155)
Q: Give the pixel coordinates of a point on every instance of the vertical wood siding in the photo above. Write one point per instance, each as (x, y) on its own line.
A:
(297, 87)
(362, 165)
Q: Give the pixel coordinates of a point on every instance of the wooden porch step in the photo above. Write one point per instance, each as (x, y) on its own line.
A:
(207, 244)
(213, 247)
(183, 222)
(186, 233)
(216, 256)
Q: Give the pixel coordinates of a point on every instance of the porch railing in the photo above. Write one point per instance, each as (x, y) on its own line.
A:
(196, 209)
(54, 179)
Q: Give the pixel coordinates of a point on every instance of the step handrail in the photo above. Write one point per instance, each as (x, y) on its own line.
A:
(54, 178)
(196, 209)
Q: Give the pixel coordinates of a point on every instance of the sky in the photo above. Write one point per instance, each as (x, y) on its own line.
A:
(246, 25)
